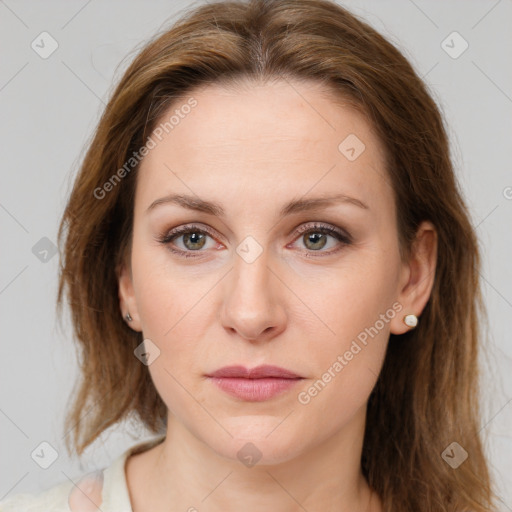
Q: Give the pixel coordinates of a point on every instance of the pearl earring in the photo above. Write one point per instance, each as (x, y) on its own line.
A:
(411, 320)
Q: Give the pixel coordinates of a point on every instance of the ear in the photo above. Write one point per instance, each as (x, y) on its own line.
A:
(417, 277)
(127, 301)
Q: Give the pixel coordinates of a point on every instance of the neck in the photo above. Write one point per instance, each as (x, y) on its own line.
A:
(184, 473)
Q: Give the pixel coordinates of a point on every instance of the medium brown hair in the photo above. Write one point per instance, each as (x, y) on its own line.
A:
(426, 396)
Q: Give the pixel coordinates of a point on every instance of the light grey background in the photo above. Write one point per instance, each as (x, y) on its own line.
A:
(49, 108)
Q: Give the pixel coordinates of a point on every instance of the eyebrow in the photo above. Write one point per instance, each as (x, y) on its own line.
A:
(295, 206)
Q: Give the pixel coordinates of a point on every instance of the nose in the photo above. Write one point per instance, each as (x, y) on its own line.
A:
(253, 303)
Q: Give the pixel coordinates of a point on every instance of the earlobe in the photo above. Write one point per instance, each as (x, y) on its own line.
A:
(419, 274)
(127, 301)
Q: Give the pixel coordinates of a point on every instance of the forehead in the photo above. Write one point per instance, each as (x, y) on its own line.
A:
(271, 115)
(264, 138)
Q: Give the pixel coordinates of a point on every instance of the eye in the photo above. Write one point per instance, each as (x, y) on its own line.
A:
(191, 237)
(316, 237)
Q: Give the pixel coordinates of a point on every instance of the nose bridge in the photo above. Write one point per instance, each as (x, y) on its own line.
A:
(251, 262)
(251, 276)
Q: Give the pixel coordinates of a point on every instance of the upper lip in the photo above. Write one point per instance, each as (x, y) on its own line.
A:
(259, 372)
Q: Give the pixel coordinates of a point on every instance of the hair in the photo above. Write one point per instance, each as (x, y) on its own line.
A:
(426, 396)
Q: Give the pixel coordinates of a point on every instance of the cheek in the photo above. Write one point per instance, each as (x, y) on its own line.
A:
(356, 308)
(348, 299)
(170, 315)
(164, 295)
(175, 312)
(174, 318)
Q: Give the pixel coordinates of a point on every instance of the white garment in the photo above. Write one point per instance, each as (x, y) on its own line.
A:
(106, 488)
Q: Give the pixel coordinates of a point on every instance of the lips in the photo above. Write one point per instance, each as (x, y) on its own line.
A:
(254, 385)
(259, 372)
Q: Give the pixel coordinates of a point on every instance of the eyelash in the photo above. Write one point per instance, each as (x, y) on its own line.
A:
(326, 229)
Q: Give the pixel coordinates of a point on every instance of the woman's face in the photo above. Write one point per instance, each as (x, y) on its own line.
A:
(270, 275)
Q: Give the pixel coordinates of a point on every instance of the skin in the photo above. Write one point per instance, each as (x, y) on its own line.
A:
(253, 148)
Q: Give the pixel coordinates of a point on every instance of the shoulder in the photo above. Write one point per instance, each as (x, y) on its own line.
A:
(84, 496)
(105, 490)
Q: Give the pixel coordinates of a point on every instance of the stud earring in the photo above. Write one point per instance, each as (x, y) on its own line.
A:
(128, 317)
(411, 320)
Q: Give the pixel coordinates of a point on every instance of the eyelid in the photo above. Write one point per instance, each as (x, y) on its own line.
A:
(328, 228)
(184, 228)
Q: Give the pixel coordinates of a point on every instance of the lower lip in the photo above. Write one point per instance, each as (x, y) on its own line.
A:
(254, 390)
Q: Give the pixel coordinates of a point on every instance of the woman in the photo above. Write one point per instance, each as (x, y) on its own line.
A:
(269, 263)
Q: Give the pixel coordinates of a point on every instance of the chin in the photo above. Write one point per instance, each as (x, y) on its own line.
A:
(256, 440)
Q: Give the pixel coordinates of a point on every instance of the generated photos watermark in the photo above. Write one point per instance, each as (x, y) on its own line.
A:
(357, 345)
(137, 156)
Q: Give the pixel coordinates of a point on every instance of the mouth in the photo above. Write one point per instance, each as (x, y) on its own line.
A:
(254, 385)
